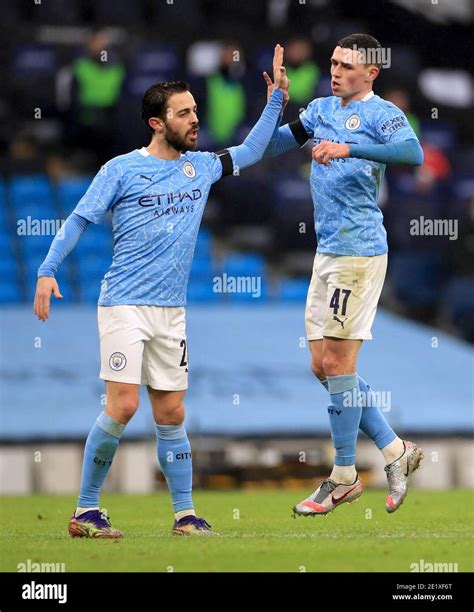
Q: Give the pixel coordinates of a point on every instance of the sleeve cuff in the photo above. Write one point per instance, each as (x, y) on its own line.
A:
(278, 94)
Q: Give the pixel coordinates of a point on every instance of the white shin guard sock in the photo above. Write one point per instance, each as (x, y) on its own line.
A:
(343, 474)
(182, 513)
(80, 511)
(394, 450)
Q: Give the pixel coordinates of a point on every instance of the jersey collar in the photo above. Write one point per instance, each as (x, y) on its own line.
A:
(146, 153)
(367, 97)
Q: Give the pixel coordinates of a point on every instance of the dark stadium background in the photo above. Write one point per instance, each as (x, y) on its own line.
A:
(253, 406)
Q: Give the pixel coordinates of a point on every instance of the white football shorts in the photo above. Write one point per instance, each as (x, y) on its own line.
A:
(343, 296)
(144, 345)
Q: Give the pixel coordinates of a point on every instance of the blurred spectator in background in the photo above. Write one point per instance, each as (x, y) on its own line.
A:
(225, 95)
(88, 93)
(419, 264)
(24, 156)
(401, 98)
(302, 70)
(435, 170)
(462, 249)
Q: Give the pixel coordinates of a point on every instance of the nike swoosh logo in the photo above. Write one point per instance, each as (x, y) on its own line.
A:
(336, 500)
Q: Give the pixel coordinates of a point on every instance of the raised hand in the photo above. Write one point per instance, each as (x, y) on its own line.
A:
(280, 78)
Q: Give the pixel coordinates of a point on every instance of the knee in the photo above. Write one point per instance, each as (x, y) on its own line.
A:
(126, 411)
(331, 365)
(172, 414)
(123, 408)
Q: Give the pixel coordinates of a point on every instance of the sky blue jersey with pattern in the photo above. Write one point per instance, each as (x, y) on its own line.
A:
(157, 206)
(347, 218)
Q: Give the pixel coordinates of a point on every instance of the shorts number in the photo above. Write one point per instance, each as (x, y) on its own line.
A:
(182, 344)
(334, 303)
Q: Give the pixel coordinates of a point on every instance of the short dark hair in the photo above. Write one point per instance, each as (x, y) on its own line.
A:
(156, 97)
(360, 41)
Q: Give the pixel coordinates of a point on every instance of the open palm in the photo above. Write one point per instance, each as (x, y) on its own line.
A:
(280, 78)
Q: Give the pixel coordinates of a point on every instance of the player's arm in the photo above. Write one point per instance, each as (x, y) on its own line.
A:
(63, 243)
(398, 143)
(103, 192)
(289, 136)
(401, 152)
(253, 148)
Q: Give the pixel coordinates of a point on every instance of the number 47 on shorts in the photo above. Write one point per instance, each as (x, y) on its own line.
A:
(336, 296)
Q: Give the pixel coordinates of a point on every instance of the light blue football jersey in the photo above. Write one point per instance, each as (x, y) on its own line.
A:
(347, 218)
(156, 206)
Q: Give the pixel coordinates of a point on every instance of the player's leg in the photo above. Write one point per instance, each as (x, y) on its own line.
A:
(334, 363)
(372, 422)
(173, 448)
(121, 348)
(339, 365)
(175, 459)
(101, 446)
(340, 359)
(402, 457)
(165, 371)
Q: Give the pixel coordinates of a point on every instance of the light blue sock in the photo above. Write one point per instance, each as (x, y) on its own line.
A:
(174, 457)
(344, 416)
(101, 444)
(372, 421)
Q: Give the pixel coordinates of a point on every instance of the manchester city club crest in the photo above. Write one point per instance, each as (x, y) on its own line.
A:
(352, 123)
(189, 170)
(117, 361)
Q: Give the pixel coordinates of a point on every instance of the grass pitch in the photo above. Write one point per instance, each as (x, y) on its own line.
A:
(257, 531)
